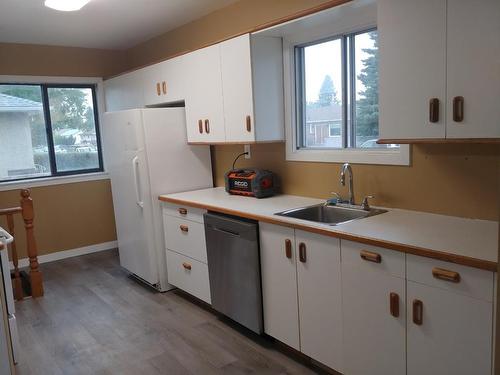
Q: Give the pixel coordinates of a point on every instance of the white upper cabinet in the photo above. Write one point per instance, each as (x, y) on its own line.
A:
(124, 92)
(439, 69)
(473, 62)
(252, 83)
(204, 102)
(163, 82)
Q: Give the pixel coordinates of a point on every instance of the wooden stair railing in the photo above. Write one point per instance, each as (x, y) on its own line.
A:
(35, 276)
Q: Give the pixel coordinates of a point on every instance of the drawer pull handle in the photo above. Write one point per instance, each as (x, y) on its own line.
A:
(370, 256)
(249, 124)
(394, 304)
(200, 126)
(158, 88)
(418, 310)
(434, 110)
(458, 108)
(164, 87)
(288, 248)
(302, 252)
(446, 275)
(182, 211)
(184, 228)
(186, 266)
(207, 126)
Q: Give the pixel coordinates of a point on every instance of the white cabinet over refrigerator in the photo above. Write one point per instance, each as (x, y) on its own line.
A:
(146, 154)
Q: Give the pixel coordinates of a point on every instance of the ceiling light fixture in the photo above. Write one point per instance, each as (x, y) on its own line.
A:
(66, 5)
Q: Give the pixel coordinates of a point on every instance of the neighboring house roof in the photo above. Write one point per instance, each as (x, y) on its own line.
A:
(68, 132)
(14, 104)
(332, 112)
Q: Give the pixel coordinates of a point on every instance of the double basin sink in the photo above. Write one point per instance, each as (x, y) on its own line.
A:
(331, 214)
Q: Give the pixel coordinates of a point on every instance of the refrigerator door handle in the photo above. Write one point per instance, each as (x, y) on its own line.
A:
(135, 165)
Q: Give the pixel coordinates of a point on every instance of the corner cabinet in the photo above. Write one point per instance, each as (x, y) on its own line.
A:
(440, 81)
(124, 92)
(234, 91)
(302, 291)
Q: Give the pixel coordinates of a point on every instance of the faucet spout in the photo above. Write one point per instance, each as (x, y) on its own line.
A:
(346, 168)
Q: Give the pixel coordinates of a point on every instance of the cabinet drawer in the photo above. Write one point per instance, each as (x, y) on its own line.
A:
(185, 237)
(373, 258)
(189, 275)
(184, 212)
(470, 281)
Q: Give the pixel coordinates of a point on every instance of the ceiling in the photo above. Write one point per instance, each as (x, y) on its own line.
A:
(108, 24)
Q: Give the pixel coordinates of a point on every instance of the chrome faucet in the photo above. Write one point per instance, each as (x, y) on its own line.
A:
(347, 167)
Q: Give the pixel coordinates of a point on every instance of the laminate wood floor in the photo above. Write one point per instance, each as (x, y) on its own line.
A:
(95, 319)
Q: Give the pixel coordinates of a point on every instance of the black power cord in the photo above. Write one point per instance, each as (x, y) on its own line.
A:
(239, 156)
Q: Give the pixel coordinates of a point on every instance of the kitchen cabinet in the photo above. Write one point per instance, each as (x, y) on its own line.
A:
(204, 102)
(320, 301)
(124, 92)
(450, 318)
(163, 82)
(302, 292)
(373, 305)
(252, 86)
(279, 283)
(440, 81)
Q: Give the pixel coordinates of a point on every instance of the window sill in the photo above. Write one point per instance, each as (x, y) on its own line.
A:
(355, 156)
(48, 181)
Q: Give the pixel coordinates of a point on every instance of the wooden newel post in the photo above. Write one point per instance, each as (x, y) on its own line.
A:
(28, 216)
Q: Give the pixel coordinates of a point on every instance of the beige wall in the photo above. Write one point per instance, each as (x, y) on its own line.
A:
(36, 60)
(66, 216)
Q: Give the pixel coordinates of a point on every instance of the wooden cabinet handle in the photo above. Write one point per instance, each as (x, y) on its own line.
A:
(207, 126)
(249, 124)
(418, 310)
(458, 108)
(434, 110)
(370, 256)
(302, 252)
(186, 266)
(200, 126)
(288, 248)
(158, 88)
(394, 304)
(182, 211)
(164, 87)
(447, 275)
(184, 228)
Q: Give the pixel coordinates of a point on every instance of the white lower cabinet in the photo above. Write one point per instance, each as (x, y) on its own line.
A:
(373, 304)
(302, 291)
(320, 300)
(364, 310)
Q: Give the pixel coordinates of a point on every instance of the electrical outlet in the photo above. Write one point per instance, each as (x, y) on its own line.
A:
(249, 153)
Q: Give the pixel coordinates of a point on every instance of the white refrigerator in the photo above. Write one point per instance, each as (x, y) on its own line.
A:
(146, 154)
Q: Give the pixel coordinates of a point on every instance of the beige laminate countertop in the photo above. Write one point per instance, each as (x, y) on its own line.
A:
(463, 241)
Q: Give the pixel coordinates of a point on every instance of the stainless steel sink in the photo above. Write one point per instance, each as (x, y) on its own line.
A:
(332, 215)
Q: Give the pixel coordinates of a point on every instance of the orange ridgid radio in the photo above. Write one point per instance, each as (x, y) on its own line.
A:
(256, 183)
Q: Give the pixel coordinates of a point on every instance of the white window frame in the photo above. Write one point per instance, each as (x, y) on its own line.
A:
(385, 156)
(58, 180)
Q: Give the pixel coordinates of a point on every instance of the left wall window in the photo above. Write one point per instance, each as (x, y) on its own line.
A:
(48, 130)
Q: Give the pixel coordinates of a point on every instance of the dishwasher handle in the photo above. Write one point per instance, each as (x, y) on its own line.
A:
(226, 231)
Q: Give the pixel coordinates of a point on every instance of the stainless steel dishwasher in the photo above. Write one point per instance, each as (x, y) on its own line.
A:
(234, 268)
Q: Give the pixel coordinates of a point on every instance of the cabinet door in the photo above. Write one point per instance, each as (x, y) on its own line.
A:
(455, 334)
(279, 283)
(237, 89)
(153, 79)
(374, 332)
(174, 73)
(124, 92)
(412, 67)
(319, 290)
(204, 96)
(473, 47)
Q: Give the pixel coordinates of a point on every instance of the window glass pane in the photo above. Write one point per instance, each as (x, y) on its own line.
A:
(366, 91)
(74, 128)
(323, 95)
(23, 138)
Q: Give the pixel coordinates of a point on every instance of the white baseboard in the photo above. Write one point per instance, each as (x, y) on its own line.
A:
(52, 257)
